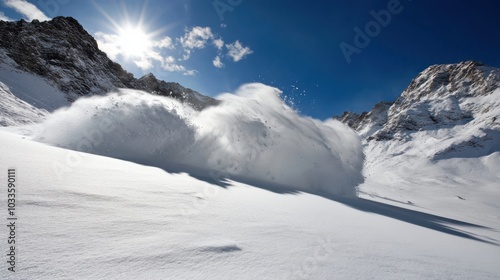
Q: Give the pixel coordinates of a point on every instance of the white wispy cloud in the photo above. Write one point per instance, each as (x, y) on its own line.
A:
(166, 42)
(108, 43)
(199, 37)
(237, 51)
(169, 64)
(144, 63)
(111, 45)
(190, 73)
(219, 43)
(4, 17)
(217, 62)
(186, 55)
(158, 53)
(196, 38)
(27, 9)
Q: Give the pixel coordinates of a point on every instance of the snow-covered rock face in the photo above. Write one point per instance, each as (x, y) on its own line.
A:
(61, 51)
(435, 99)
(14, 111)
(438, 97)
(367, 122)
(465, 79)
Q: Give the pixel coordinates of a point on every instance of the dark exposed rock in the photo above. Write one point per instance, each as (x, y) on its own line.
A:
(351, 119)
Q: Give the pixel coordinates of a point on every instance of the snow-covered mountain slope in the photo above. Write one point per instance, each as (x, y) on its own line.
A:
(103, 218)
(438, 97)
(29, 87)
(14, 111)
(461, 187)
(63, 53)
(439, 140)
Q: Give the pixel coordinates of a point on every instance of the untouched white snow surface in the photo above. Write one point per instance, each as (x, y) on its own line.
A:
(252, 134)
(103, 218)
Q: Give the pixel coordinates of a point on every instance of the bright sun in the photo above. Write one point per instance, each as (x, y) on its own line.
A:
(133, 41)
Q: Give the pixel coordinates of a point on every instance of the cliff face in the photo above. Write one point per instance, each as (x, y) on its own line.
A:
(61, 51)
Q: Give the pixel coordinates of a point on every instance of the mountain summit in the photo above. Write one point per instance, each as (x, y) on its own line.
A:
(62, 52)
(438, 97)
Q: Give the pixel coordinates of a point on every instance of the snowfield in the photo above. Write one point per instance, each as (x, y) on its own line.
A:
(112, 219)
(136, 186)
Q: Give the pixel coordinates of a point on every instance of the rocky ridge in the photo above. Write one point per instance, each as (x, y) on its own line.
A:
(436, 98)
(61, 51)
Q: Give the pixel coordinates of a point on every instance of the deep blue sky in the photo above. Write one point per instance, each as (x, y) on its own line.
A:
(295, 44)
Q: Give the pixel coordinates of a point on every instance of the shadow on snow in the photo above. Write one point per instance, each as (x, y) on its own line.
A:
(433, 222)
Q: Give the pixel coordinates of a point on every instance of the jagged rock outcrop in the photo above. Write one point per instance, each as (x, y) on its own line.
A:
(61, 51)
(367, 121)
(151, 84)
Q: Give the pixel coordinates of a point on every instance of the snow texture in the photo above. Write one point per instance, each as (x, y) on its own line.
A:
(448, 168)
(252, 134)
(30, 88)
(111, 219)
(14, 111)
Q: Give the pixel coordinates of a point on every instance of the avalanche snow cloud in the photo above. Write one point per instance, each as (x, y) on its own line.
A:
(252, 134)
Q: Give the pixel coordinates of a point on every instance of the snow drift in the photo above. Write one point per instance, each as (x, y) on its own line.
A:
(252, 133)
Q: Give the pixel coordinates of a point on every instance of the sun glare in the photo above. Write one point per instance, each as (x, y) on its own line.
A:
(133, 41)
(133, 36)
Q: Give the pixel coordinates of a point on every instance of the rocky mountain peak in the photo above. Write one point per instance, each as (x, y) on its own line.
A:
(435, 98)
(61, 51)
(148, 76)
(376, 116)
(469, 78)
